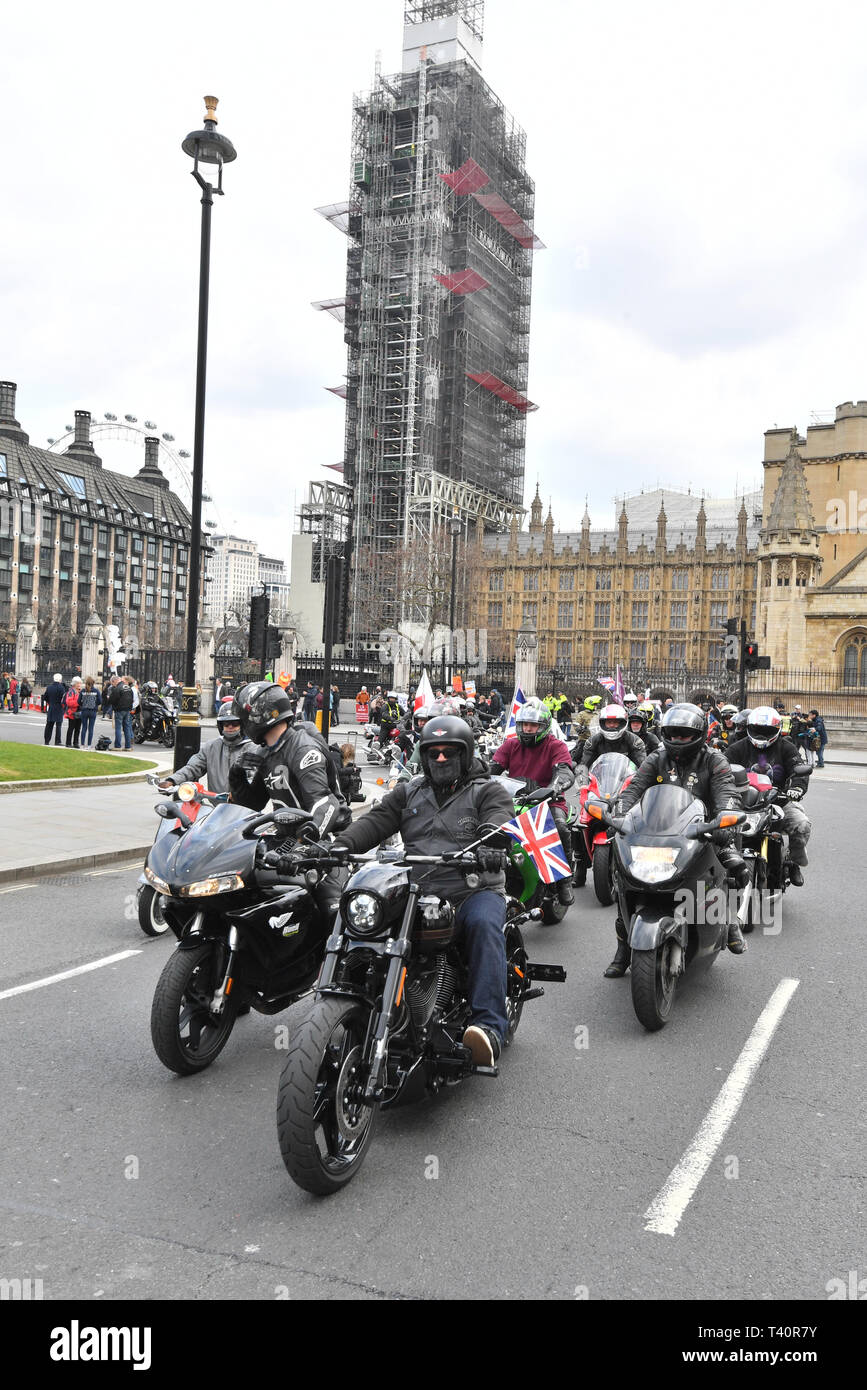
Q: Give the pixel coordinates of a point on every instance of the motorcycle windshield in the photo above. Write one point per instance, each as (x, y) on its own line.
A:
(611, 771)
(213, 846)
(512, 785)
(665, 809)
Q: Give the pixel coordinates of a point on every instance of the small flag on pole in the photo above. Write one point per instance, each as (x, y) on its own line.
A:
(537, 832)
(518, 699)
(619, 688)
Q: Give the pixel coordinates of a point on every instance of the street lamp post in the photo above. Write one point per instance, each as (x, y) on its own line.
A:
(204, 147)
(455, 530)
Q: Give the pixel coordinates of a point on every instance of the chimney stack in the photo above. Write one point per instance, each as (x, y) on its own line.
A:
(81, 446)
(152, 473)
(8, 424)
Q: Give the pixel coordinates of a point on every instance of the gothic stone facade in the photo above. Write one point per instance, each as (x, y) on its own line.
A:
(651, 595)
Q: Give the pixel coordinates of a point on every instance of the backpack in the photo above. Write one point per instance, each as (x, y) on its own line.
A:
(102, 743)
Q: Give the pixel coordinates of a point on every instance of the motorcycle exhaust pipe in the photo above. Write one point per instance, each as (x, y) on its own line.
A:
(744, 909)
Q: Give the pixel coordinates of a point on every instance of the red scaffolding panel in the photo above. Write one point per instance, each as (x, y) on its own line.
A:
(499, 388)
(468, 179)
(508, 218)
(464, 281)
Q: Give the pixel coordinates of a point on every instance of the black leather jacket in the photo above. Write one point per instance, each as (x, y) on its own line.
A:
(297, 771)
(707, 775)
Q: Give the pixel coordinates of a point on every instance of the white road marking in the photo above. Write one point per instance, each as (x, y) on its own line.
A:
(67, 974)
(17, 888)
(99, 873)
(664, 1213)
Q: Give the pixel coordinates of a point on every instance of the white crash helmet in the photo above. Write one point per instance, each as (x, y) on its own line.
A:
(612, 722)
(764, 726)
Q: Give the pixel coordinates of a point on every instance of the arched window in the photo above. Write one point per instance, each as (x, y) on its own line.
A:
(855, 660)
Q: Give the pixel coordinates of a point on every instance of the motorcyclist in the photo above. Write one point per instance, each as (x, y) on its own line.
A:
(390, 716)
(630, 701)
(471, 718)
(151, 707)
(686, 760)
(446, 809)
(719, 734)
(765, 749)
(538, 758)
(637, 725)
(293, 767)
(214, 759)
(612, 736)
(650, 711)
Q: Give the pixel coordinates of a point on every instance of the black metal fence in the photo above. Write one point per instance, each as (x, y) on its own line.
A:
(155, 666)
(63, 660)
(7, 656)
(349, 674)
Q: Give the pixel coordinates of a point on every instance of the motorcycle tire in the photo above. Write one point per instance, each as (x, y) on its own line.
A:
(553, 911)
(516, 980)
(602, 885)
(167, 737)
(653, 988)
(150, 912)
(313, 1120)
(138, 735)
(579, 878)
(187, 1038)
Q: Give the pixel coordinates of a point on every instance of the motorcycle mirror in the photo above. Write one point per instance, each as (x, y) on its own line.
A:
(311, 878)
(163, 809)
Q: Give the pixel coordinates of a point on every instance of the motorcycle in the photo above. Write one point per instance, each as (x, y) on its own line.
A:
(190, 800)
(765, 844)
(386, 1023)
(664, 857)
(523, 882)
(609, 775)
(247, 938)
(157, 724)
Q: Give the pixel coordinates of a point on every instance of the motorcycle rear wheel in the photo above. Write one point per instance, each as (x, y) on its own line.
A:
(150, 911)
(516, 980)
(602, 885)
(316, 1109)
(653, 986)
(553, 911)
(186, 1036)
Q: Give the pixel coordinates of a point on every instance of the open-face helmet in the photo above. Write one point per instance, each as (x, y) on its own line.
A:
(683, 730)
(612, 722)
(420, 718)
(227, 715)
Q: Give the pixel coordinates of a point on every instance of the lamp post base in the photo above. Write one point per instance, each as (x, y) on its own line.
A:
(188, 735)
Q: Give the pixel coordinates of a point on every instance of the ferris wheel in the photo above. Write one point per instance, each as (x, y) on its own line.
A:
(173, 460)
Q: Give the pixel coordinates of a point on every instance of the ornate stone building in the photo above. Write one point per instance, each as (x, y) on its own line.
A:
(75, 536)
(652, 595)
(813, 548)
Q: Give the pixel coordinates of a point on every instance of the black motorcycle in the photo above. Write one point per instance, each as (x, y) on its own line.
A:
(155, 723)
(190, 800)
(765, 843)
(247, 937)
(665, 865)
(388, 1017)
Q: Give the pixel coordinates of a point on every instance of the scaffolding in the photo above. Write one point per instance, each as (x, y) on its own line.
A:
(436, 314)
(325, 516)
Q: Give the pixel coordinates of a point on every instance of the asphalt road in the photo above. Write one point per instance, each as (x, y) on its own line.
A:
(120, 1180)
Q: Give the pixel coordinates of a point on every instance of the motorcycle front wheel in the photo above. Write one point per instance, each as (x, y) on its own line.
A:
(516, 979)
(186, 1035)
(323, 1130)
(167, 737)
(602, 875)
(653, 985)
(150, 912)
(553, 911)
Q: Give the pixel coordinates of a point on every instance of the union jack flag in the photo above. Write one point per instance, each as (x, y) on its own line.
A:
(536, 830)
(518, 699)
(616, 689)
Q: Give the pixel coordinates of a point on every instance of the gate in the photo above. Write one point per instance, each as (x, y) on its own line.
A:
(66, 660)
(155, 666)
(7, 656)
(347, 673)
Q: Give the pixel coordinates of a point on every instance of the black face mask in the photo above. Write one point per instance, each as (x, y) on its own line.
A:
(443, 774)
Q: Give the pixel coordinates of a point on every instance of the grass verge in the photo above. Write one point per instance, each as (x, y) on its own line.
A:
(27, 762)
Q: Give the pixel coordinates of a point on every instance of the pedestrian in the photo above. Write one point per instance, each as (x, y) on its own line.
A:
(335, 706)
(820, 743)
(52, 702)
(120, 702)
(72, 711)
(4, 689)
(136, 693)
(13, 691)
(25, 691)
(310, 702)
(89, 702)
(564, 715)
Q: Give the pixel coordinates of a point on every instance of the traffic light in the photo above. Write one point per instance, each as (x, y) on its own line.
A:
(732, 643)
(752, 660)
(273, 646)
(259, 607)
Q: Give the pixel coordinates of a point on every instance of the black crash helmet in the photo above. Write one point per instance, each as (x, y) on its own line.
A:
(683, 730)
(259, 706)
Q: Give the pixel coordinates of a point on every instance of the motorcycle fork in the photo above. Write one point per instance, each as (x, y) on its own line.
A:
(398, 951)
(221, 994)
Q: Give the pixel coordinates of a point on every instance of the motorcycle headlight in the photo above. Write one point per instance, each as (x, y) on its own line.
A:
(155, 882)
(364, 913)
(207, 887)
(653, 863)
(187, 791)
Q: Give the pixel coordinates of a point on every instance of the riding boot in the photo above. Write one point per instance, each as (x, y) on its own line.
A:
(620, 963)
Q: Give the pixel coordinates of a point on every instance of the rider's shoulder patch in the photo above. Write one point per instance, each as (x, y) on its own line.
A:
(314, 756)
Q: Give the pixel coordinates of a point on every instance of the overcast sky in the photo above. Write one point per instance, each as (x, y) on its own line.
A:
(701, 181)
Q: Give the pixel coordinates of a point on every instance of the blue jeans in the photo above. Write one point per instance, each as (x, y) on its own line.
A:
(480, 918)
(87, 722)
(123, 723)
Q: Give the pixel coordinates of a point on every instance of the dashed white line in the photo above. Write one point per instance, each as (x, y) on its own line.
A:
(67, 974)
(17, 887)
(664, 1213)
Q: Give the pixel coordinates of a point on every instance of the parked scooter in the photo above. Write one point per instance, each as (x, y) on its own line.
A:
(664, 866)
